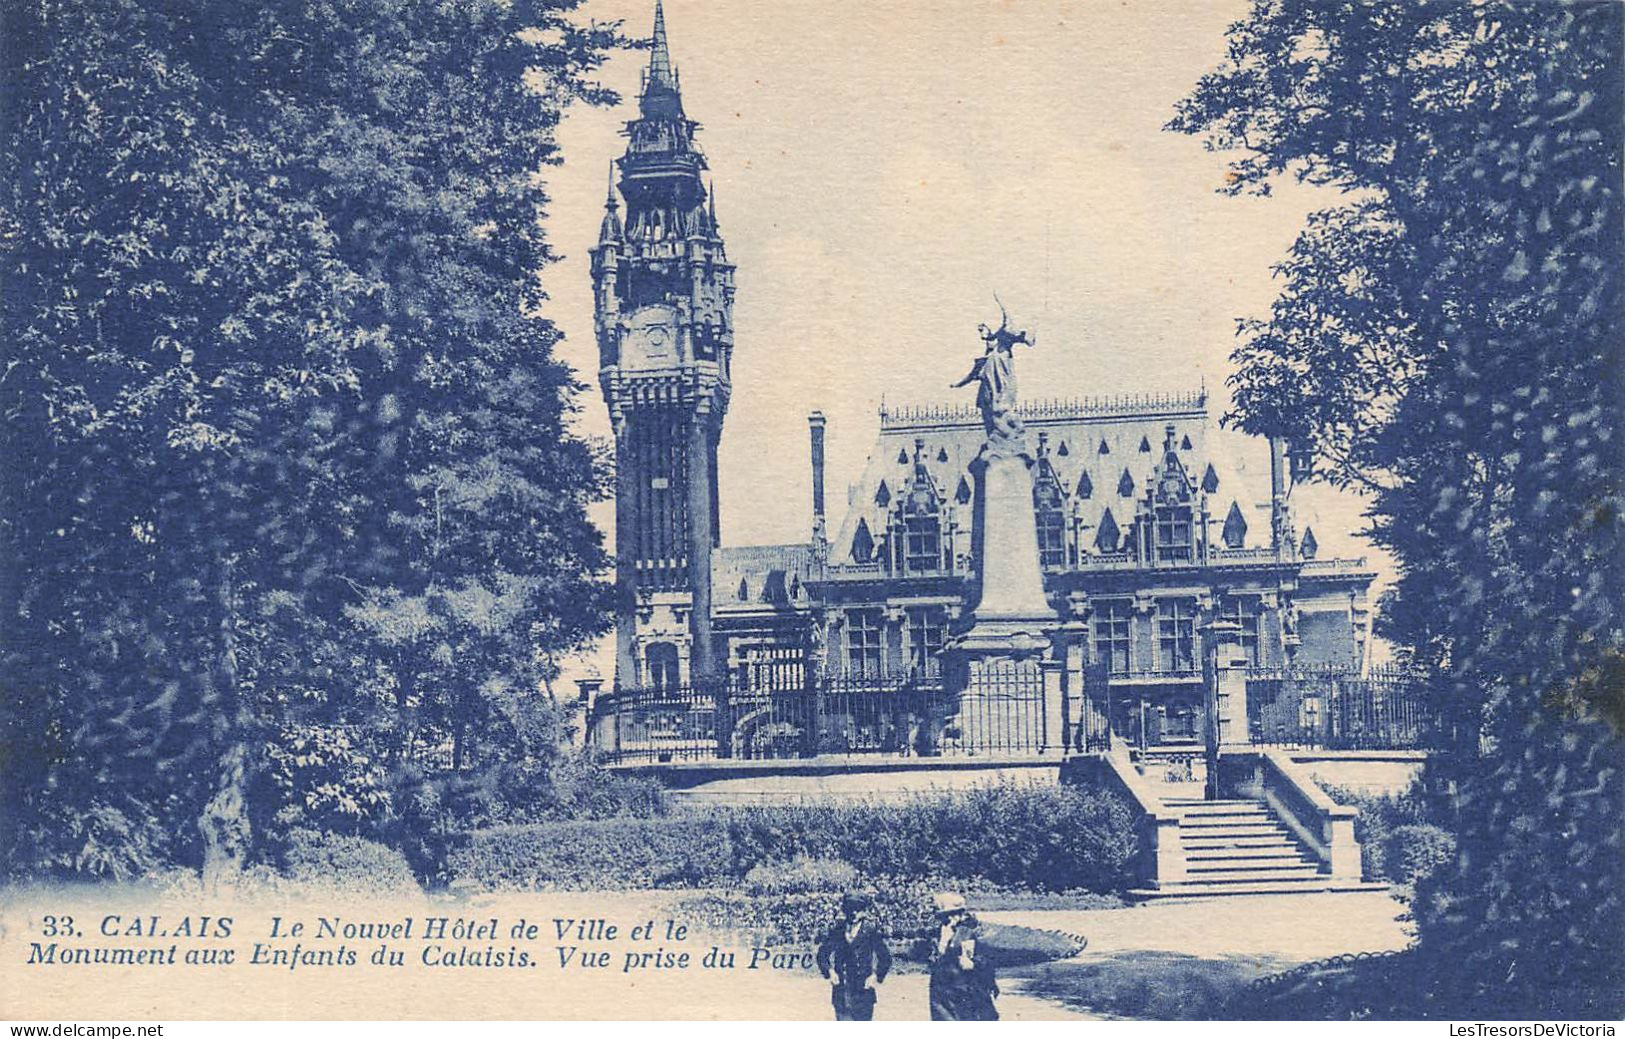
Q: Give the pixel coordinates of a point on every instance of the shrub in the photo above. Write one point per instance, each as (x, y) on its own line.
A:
(1380, 815)
(345, 863)
(799, 876)
(1416, 851)
(788, 919)
(679, 851)
(583, 790)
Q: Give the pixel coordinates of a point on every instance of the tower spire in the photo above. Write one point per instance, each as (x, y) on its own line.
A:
(661, 76)
(661, 97)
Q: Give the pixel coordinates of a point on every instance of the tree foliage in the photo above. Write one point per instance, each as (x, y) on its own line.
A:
(291, 502)
(1447, 337)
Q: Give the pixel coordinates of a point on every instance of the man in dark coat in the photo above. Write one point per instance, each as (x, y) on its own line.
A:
(962, 981)
(852, 951)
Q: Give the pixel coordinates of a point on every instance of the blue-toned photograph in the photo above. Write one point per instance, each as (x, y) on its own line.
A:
(1114, 514)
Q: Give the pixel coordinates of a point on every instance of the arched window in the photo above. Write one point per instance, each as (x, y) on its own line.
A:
(661, 663)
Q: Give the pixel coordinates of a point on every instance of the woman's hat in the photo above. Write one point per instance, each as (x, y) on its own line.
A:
(949, 902)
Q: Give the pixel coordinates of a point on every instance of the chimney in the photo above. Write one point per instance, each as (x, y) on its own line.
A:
(815, 427)
(1280, 522)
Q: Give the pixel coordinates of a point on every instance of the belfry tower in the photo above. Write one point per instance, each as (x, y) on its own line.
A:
(663, 291)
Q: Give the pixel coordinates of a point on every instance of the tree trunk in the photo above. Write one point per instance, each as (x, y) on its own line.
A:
(224, 821)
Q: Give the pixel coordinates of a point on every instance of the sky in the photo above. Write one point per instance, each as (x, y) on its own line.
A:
(883, 167)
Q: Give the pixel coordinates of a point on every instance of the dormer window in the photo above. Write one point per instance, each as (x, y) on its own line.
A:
(922, 541)
(1309, 547)
(1108, 536)
(921, 518)
(1173, 526)
(863, 543)
(1235, 528)
(1050, 514)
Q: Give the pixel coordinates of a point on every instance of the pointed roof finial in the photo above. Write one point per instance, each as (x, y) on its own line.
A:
(610, 229)
(711, 199)
(660, 72)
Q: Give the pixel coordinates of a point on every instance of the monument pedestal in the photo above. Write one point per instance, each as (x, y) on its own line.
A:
(997, 654)
(1009, 585)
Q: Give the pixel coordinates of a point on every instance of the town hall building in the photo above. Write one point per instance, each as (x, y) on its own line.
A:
(1150, 520)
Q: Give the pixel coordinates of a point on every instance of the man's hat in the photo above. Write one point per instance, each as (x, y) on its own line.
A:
(855, 901)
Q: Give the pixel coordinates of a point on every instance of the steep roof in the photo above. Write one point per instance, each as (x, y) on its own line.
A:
(750, 578)
(1098, 448)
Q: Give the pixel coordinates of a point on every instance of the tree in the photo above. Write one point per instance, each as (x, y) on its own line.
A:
(1447, 338)
(275, 366)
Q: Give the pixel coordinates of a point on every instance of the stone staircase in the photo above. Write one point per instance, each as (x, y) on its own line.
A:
(1239, 847)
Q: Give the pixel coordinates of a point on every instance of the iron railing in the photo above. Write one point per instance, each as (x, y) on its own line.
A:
(999, 710)
(1332, 709)
(903, 716)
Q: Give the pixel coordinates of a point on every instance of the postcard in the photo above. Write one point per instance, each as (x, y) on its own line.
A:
(747, 510)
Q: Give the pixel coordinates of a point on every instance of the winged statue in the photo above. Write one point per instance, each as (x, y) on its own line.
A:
(995, 374)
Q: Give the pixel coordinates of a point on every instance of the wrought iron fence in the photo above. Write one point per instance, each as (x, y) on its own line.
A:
(899, 715)
(1331, 709)
(1091, 725)
(996, 710)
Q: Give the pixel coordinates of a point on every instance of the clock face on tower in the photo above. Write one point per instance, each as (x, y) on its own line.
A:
(650, 339)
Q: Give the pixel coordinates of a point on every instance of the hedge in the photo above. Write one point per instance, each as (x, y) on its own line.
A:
(616, 854)
(1013, 836)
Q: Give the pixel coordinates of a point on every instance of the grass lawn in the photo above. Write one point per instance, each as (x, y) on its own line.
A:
(1146, 985)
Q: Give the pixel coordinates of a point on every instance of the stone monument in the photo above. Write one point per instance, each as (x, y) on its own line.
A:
(997, 650)
(1007, 596)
